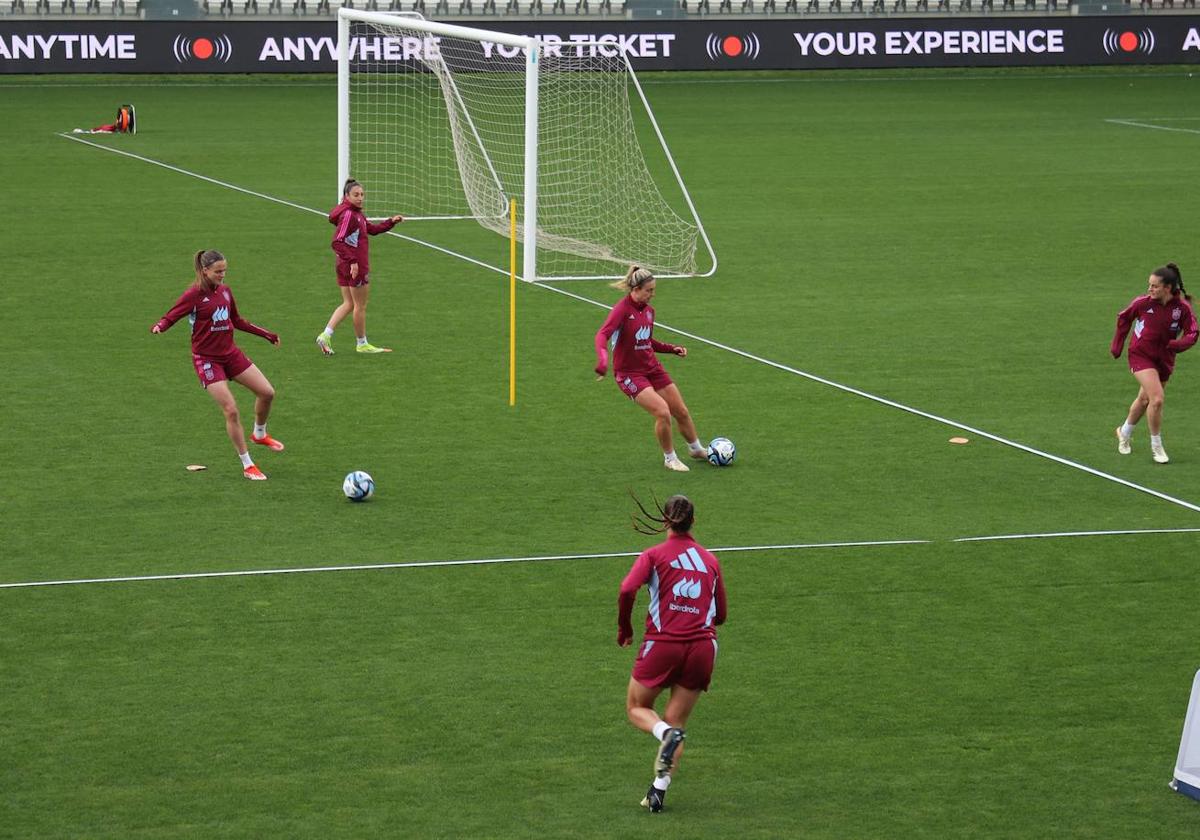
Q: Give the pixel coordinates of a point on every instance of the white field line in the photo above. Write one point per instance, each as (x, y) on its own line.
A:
(489, 561)
(428, 563)
(954, 424)
(263, 196)
(1137, 124)
(1078, 534)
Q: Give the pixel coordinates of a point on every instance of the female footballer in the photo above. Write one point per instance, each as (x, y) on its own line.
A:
(1163, 324)
(687, 601)
(350, 243)
(639, 374)
(209, 306)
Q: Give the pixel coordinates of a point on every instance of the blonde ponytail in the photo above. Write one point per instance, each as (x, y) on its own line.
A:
(635, 278)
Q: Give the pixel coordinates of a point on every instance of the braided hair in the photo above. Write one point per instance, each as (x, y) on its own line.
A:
(1171, 278)
(677, 514)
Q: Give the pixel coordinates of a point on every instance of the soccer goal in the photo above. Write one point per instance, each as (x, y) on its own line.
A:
(448, 124)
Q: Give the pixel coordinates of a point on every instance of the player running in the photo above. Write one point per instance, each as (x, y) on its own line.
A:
(629, 327)
(1163, 324)
(350, 243)
(213, 315)
(687, 601)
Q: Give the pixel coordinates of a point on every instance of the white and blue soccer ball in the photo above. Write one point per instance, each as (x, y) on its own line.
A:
(358, 486)
(721, 452)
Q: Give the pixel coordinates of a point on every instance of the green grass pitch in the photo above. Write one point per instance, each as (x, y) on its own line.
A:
(958, 242)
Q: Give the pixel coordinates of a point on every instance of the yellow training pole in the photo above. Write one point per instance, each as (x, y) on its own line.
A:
(512, 302)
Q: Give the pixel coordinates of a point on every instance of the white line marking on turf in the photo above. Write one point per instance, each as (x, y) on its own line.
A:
(1078, 534)
(263, 196)
(418, 564)
(744, 354)
(424, 564)
(954, 424)
(1137, 124)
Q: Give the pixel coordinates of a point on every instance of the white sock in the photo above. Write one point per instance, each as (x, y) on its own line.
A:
(1156, 440)
(662, 782)
(328, 331)
(696, 445)
(362, 339)
(246, 460)
(668, 457)
(660, 729)
(260, 431)
(1126, 430)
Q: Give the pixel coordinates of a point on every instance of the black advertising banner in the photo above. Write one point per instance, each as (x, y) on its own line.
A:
(66, 45)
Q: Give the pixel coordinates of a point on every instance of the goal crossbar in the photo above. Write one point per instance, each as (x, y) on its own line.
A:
(532, 50)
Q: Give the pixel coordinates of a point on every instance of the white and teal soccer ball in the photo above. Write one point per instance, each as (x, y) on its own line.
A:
(358, 486)
(721, 452)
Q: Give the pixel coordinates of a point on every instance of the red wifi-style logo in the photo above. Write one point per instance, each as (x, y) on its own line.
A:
(186, 49)
(1130, 41)
(732, 46)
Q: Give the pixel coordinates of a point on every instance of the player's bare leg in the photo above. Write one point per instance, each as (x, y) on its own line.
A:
(657, 406)
(359, 295)
(639, 708)
(220, 393)
(1137, 409)
(678, 710)
(1152, 387)
(264, 395)
(343, 309)
(325, 339)
(683, 418)
(1149, 400)
(639, 705)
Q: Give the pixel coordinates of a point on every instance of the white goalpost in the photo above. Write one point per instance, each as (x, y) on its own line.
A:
(448, 124)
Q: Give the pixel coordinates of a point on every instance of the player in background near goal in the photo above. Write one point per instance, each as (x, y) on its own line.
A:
(639, 374)
(350, 232)
(1163, 324)
(687, 601)
(209, 306)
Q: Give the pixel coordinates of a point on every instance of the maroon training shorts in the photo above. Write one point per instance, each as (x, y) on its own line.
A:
(632, 384)
(1137, 362)
(212, 369)
(344, 278)
(687, 664)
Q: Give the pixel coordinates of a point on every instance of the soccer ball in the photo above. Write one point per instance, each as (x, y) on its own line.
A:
(358, 486)
(721, 452)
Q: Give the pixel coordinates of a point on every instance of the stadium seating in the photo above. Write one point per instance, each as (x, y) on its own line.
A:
(454, 9)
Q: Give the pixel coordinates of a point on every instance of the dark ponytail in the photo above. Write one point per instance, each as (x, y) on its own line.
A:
(1171, 277)
(677, 514)
(349, 185)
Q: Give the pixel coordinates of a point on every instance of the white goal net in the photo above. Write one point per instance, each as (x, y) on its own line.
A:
(433, 119)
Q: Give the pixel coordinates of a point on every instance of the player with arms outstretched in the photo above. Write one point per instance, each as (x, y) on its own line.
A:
(209, 306)
(1163, 325)
(687, 602)
(640, 376)
(350, 242)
